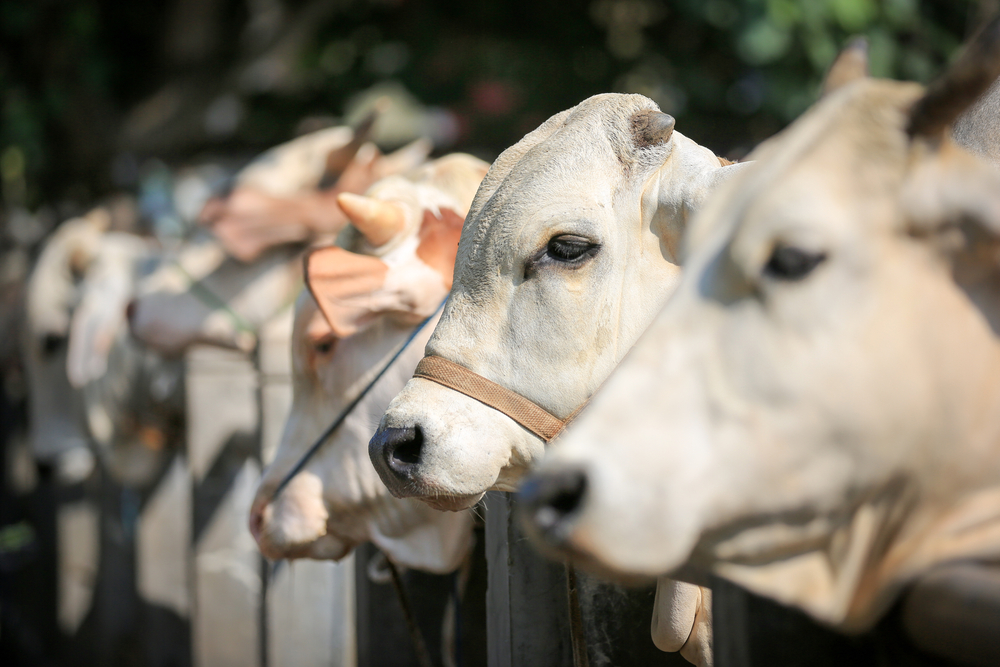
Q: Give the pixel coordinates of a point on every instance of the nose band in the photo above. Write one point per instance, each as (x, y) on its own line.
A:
(528, 414)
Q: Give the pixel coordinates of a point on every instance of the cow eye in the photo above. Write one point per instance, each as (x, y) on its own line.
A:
(325, 345)
(569, 249)
(790, 263)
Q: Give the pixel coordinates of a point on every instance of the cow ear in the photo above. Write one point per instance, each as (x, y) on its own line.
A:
(971, 75)
(349, 288)
(439, 236)
(677, 200)
(850, 65)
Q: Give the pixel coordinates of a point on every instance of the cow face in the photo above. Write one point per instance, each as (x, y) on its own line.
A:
(53, 292)
(569, 250)
(202, 296)
(360, 308)
(813, 413)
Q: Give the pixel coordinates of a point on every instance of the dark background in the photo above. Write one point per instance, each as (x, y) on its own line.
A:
(92, 89)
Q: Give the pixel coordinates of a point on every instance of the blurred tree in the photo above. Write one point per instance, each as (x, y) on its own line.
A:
(89, 89)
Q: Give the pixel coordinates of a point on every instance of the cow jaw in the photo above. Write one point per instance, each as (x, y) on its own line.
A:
(293, 525)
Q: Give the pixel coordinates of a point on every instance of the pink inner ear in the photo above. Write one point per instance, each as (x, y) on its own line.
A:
(345, 286)
(439, 235)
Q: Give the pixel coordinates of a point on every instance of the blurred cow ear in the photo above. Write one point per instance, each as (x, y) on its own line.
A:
(349, 288)
(850, 65)
(952, 198)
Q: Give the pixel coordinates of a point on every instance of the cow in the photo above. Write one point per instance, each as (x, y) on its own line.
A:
(92, 388)
(570, 249)
(131, 396)
(288, 194)
(219, 289)
(362, 302)
(52, 293)
(814, 413)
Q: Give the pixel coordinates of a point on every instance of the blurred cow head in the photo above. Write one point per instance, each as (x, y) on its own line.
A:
(815, 414)
(287, 195)
(361, 305)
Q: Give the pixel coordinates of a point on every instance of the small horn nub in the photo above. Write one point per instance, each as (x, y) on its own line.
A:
(850, 65)
(652, 127)
(966, 80)
(377, 220)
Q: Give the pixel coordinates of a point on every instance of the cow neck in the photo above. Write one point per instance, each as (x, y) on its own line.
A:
(522, 410)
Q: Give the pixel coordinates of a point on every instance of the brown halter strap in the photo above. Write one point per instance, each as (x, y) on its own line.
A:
(526, 413)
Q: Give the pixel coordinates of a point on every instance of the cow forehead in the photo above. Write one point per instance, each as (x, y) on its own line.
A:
(550, 183)
(851, 147)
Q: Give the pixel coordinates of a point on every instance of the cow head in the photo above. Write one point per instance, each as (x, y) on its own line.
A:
(569, 251)
(220, 290)
(287, 194)
(53, 292)
(814, 414)
(360, 307)
(201, 295)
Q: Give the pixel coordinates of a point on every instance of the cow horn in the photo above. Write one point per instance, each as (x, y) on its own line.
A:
(338, 159)
(966, 80)
(377, 220)
(851, 64)
(652, 128)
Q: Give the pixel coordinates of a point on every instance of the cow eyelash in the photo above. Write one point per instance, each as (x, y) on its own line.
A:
(791, 263)
(569, 249)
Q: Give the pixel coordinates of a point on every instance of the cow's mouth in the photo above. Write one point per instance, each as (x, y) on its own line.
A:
(451, 503)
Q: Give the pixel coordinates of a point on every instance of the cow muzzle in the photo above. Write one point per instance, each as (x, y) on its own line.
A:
(552, 502)
(395, 453)
(434, 450)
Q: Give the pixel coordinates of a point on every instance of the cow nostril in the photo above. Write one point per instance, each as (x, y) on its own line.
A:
(551, 500)
(567, 500)
(396, 451)
(407, 452)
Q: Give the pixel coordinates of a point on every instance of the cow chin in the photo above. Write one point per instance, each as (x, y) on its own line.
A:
(447, 449)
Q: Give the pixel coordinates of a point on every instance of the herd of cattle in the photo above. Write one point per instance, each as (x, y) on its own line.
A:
(808, 408)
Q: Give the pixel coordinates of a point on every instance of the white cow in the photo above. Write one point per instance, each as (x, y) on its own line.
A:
(815, 414)
(221, 290)
(363, 301)
(90, 383)
(288, 194)
(570, 250)
(52, 294)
